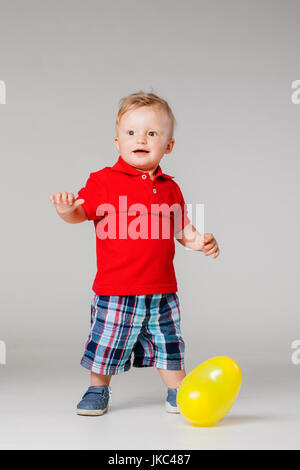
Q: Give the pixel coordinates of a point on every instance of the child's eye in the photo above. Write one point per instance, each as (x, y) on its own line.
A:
(150, 132)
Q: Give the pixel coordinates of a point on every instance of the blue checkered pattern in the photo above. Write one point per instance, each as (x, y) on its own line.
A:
(146, 325)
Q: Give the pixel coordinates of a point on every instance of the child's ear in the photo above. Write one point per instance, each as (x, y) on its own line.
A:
(117, 143)
(170, 146)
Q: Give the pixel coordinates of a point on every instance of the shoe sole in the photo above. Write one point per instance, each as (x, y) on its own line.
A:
(171, 409)
(82, 412)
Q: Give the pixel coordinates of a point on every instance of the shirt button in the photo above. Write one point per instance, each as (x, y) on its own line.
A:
(144, 177)
(154, 190)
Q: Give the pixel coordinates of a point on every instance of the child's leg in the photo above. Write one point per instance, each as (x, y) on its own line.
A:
(172, 378)
(99, 379)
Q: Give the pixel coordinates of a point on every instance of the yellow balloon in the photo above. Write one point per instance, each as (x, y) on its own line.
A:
(207, 393)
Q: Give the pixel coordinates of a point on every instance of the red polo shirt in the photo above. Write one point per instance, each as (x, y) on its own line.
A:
(134, 248)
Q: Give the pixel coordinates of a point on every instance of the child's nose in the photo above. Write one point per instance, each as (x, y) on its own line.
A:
(141, 139)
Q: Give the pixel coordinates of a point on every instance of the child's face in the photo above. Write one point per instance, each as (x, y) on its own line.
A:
(145, 128)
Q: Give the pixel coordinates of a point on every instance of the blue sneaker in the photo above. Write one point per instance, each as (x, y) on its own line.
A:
(95, 401)
(171, 402)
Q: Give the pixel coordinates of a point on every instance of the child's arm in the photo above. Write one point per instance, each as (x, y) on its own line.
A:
(67, 209)
(190, 238)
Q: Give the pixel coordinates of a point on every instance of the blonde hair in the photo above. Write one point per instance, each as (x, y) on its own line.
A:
(139, 99)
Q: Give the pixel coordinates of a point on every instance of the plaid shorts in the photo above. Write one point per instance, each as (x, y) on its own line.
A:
(147, 325)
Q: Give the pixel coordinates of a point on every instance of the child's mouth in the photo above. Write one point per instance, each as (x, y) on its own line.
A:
(141, 152)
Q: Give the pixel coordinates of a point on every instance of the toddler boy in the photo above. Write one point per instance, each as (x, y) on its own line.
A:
(137, 210)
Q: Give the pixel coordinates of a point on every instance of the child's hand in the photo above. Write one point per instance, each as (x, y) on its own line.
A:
(64, 202)
(210, 245)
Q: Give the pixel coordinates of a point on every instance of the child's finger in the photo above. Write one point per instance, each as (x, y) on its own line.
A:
(78, 202)
(57, 198)
(209, 246)
(208, 237)
(70, 198)
(210, 252)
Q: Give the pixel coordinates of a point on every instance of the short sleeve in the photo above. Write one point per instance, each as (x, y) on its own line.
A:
(93, 194)
(181, 218)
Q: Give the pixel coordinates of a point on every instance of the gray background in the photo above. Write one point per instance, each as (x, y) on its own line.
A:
(226, 69)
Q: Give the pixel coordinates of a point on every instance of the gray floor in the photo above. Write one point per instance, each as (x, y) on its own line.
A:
(37, 411)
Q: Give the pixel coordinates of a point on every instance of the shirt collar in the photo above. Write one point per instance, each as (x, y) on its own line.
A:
(124, 167)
